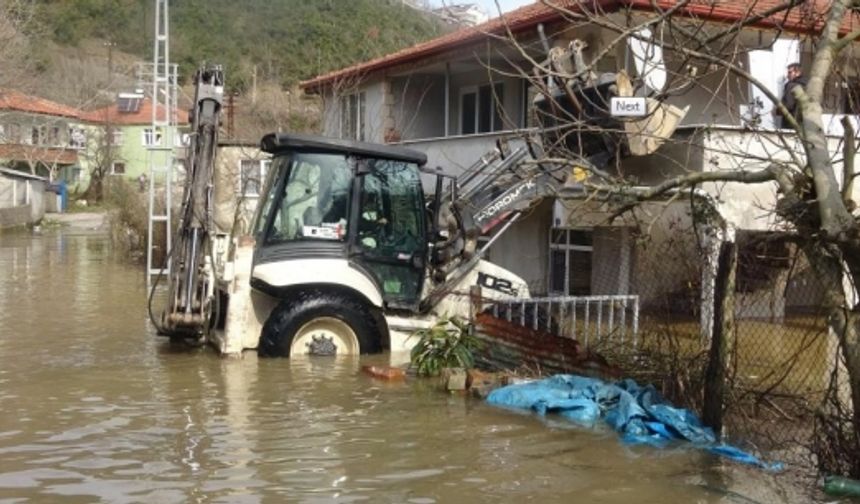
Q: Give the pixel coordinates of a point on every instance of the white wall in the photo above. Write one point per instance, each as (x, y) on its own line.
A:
(418, 107)
(455, 154)
(524, 248)
(769, 67)
(330, 115)
(374, 112)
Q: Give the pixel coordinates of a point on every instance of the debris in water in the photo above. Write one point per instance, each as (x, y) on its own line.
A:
(384, 372)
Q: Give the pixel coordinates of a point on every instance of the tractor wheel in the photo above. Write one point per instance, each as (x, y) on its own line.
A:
(317, 323)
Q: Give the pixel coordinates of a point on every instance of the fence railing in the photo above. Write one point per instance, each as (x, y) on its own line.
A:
(588, 319)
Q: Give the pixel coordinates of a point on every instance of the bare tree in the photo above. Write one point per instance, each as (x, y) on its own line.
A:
(16, 23)
(814, 201)
(101, 153)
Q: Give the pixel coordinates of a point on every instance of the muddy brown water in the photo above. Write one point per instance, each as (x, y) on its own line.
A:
(95, 408)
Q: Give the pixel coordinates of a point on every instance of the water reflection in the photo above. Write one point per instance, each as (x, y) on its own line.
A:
(96, 408)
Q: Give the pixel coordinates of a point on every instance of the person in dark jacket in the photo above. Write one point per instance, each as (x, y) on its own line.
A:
(794, 77)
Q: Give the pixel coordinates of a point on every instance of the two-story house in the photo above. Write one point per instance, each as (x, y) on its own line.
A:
(454, 96)
(39, 136)
(122, 133)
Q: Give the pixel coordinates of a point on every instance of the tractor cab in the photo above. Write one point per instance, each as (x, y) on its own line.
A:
(330, 200)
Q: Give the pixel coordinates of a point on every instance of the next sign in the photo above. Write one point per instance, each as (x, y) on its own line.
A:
(628, 106)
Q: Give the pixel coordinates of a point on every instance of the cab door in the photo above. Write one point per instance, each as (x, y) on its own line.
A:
(389, 237)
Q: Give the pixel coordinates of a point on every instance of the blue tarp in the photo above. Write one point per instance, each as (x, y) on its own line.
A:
(638, 413)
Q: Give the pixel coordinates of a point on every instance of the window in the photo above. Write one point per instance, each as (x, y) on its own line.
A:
(115, 137)
(14, 133)
(77, 138)
(480, 108)
(2, 133)
(152, 138)
(390, 227)
(252, 172)
(315, 200)
(390, 208)
(117, 168)
(352, 109)
(74, 175)
(54, 136)
(570, 261)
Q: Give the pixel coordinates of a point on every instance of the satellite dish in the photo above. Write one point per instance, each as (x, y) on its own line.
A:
(648, 59)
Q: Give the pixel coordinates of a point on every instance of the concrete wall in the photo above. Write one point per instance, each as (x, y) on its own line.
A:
(419, 106)
(724, 148)
(455, 154)
(375, 110)
(8, 198)
(524, 249)
(228, 187)
(330, 115)
(14, 216)
(37, 200)
(22, 200)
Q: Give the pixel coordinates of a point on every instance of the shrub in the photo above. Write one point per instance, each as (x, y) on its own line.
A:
(449, 343)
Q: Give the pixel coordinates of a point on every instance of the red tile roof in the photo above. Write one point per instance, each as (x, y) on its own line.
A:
(806, 18)
(19, 102)
(112, 115)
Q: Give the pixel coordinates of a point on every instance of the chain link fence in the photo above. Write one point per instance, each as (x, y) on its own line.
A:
(780, 356)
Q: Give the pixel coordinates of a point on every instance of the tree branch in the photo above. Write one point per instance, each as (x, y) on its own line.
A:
(633, 196)
(849, 148)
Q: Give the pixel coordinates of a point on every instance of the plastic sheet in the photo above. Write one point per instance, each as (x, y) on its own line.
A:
(639, 414)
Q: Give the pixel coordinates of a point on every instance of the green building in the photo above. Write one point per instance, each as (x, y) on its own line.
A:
(121, 134)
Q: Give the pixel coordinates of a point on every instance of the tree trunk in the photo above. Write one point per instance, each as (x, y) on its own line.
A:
(843, 319)
(834, 215)
(721, 341)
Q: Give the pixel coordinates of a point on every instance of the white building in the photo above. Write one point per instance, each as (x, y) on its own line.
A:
(441, 97)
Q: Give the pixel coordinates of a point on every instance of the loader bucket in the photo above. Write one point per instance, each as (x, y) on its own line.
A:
(647, 134)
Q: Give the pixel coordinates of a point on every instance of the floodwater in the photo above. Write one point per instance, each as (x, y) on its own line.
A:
(95, 408)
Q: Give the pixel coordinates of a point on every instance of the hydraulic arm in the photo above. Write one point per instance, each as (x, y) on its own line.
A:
(190, 285)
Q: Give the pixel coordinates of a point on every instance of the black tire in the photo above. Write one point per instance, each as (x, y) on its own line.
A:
(292, 314)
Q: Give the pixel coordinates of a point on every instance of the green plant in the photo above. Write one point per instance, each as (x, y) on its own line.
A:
(448, 343)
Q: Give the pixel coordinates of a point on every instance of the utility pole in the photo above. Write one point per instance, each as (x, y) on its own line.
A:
(110, 45)
(254, 85)
(160, 145)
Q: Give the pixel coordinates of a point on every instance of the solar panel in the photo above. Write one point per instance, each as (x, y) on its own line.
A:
(128, 104)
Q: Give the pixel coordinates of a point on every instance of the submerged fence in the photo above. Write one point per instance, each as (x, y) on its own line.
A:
(588, 319)
(781, 359)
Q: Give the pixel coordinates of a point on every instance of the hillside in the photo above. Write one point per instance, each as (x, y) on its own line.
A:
(281, 40)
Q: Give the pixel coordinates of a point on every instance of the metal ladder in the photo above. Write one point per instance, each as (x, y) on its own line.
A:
(160, 154)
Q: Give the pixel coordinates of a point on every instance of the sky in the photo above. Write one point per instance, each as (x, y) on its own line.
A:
(489, 6)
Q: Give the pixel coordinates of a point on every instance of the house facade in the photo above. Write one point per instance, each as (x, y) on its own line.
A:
(39, 136)
(456, 96)
(121, 135)
(241, 167)
(58, 142)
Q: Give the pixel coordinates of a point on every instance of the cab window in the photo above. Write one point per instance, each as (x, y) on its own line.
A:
(315, 200)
